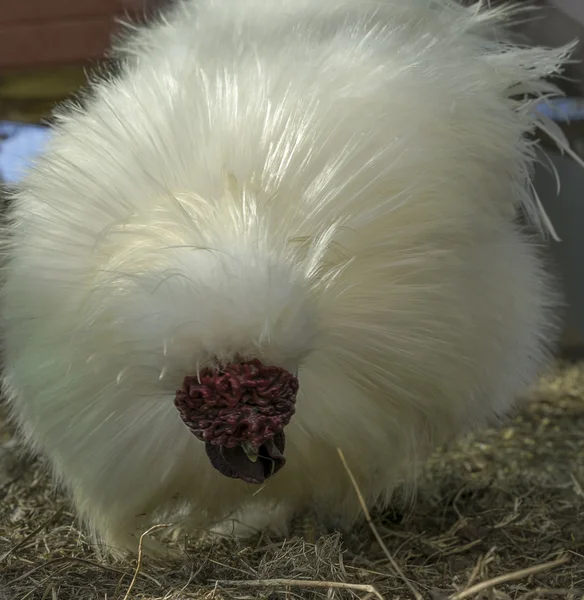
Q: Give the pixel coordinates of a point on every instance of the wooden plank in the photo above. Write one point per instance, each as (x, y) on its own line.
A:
(45, 44)
(33, 11)
(15, 11)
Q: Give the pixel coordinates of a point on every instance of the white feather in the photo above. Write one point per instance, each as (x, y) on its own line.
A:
(327, 185)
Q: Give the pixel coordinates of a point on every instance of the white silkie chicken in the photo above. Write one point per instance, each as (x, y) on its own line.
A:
(300, 214)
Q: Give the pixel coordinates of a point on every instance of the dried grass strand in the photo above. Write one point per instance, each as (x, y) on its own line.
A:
(140, 553)
(549, 592)
(507, 577)
(301, 583)
(77, 560)
(32, 534)
(417, 595)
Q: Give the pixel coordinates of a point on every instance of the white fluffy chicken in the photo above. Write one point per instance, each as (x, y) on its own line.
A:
(282, 228)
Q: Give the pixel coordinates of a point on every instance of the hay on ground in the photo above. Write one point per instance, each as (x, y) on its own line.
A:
(499, 515)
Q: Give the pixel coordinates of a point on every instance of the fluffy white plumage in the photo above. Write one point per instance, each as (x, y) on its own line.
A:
(326, 185)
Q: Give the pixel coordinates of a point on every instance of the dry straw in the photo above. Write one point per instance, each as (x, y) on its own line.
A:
(497, 516)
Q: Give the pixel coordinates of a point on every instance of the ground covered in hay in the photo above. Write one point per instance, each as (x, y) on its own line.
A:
(498, 515)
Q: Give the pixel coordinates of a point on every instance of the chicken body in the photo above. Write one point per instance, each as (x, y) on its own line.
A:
(330, 187)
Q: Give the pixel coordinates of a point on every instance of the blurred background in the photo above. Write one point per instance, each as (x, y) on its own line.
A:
(47, 47)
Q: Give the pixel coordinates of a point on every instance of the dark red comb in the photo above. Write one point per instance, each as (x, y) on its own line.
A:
(244, 402)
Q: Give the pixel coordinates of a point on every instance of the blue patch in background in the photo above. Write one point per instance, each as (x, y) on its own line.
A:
(19, 144)
(563, 110)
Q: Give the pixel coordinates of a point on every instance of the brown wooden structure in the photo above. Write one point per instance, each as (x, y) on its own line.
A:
(50, 33)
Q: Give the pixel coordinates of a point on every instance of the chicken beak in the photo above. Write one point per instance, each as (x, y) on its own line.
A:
(248, 463)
